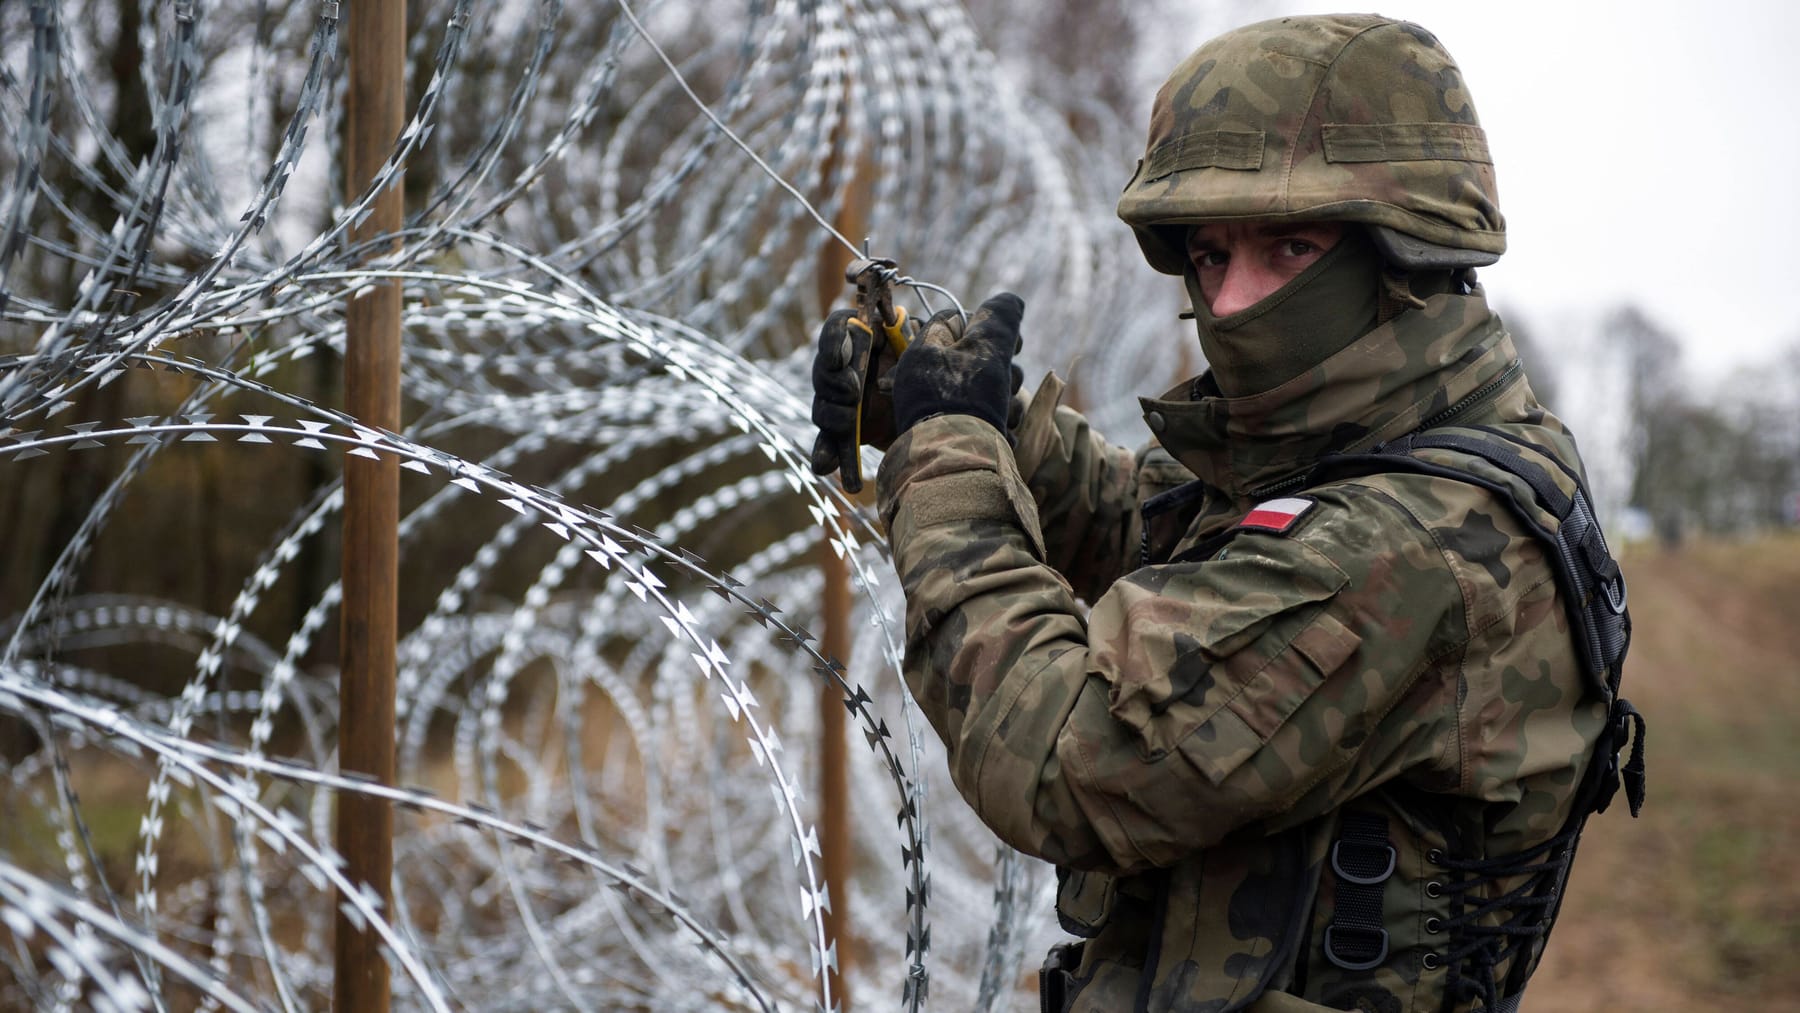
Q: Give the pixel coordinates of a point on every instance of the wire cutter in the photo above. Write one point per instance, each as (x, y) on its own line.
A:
(876, 314)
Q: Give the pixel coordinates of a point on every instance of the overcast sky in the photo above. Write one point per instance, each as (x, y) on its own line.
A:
(1647, 152)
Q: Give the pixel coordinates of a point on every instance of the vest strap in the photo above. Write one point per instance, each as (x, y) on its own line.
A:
(1363, 859)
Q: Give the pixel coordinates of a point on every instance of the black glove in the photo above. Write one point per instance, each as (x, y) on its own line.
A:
(840, 400)
(953, 370)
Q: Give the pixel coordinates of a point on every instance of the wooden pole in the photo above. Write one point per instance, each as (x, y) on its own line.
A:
(371, 554)
(834, 752)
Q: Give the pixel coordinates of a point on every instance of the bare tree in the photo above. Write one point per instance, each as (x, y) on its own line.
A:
(1724, 465)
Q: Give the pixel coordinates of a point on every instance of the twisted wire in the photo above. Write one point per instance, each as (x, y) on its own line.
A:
(608, 669)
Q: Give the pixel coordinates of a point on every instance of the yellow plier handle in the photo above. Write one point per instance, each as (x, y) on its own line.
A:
(896, 331)
(875, 313)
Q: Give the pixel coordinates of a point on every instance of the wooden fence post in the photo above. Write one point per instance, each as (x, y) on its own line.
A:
(376, 42)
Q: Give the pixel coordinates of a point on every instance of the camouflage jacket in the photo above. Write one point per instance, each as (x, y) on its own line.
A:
(1186, 749)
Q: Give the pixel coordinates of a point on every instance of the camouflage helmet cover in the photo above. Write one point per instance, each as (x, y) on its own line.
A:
(1354, 118)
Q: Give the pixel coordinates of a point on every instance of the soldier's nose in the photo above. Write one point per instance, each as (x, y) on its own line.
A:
(1243, 287)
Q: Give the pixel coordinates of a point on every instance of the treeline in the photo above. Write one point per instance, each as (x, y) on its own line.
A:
(1671, 452)
(1719, 460)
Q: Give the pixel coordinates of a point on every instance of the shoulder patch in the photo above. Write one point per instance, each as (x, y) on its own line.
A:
(1277, 515)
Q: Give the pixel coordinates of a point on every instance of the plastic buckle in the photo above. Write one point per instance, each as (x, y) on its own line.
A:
(1350, 877)
(1331, 950)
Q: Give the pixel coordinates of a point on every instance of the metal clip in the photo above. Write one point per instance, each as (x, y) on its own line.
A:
(874, 295)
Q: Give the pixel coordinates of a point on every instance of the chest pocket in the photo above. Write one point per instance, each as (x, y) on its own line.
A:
(1257, 643)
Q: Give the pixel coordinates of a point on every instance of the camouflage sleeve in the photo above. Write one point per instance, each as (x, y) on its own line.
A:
(1084, 488)
(1195, 700)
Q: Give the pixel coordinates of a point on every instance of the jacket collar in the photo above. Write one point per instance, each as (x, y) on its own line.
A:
(1382, 385)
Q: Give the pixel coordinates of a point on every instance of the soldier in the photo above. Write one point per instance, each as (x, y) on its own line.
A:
(1344, 691)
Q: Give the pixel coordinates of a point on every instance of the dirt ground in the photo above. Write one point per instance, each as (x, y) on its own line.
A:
(1695, 904)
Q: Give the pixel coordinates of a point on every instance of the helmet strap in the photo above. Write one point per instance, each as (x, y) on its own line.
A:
(1402, 290)
(1396, 295)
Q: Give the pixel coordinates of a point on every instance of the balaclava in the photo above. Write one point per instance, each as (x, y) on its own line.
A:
(1338, 298)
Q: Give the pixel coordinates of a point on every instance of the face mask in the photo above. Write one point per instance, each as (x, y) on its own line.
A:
(1299, 325)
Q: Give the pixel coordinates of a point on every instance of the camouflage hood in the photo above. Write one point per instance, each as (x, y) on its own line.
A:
(1415, 368)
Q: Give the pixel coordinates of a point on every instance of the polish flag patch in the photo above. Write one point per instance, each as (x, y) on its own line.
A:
(1277, 515)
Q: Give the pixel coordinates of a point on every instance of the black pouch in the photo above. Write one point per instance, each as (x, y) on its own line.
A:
(1057, 983)
(1084, 901)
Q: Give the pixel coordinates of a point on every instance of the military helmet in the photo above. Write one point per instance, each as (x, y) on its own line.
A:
(1348, 118)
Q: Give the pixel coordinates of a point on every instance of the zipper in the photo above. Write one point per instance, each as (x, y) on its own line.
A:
(1275, 487)
(1469, 400)
(1475, 396)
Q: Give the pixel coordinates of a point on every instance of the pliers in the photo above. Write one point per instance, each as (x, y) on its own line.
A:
(875, 313)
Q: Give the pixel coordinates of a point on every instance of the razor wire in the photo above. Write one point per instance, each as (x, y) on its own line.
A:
(608, 688)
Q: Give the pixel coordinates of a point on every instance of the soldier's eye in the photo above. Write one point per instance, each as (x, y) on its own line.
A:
(1209, 258)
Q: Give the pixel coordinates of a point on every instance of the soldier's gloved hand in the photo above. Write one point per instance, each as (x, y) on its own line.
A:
(839, 400)
(958, 370)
